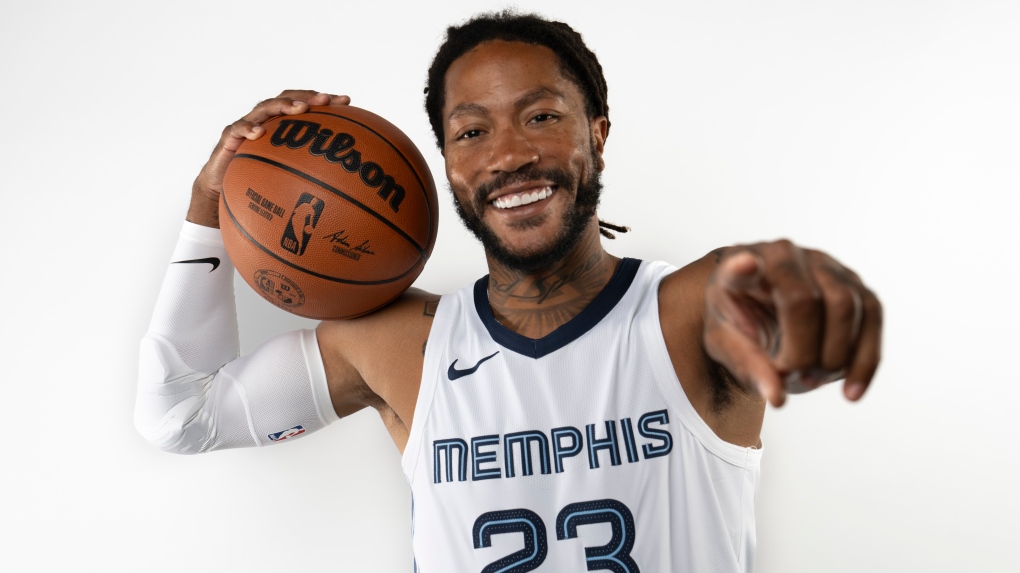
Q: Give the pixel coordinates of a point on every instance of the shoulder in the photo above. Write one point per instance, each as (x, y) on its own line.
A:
(681, 316)
(388, 333)
(690, 280)
(411, 305)
(682, 296)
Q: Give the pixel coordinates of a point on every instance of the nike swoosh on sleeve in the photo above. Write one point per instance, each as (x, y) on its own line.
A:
(214, 261)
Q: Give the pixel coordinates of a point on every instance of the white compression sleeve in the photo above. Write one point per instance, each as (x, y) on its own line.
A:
(194, 393)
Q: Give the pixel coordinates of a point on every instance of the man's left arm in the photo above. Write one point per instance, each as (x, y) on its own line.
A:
(754, 322)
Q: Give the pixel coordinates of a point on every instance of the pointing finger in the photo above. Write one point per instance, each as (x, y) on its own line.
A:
(740, 271)
(745, 360)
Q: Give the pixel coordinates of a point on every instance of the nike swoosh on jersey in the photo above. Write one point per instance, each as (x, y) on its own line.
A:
(214, 261)
(453, 373)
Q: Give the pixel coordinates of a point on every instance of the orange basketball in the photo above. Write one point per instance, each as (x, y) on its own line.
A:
(331, 214)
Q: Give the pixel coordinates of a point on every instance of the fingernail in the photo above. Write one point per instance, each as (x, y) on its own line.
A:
(854, 390)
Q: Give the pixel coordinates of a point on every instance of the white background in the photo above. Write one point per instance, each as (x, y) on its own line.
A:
(886, 132)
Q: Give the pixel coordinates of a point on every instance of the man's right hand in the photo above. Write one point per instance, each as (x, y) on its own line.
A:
(205, 192)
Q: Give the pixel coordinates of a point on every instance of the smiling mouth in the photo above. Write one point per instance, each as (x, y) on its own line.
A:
(523, 198)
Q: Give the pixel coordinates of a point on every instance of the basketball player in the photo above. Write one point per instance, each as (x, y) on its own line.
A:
(569, 397)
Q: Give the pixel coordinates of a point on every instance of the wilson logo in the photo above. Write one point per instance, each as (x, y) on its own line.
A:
(338, 148)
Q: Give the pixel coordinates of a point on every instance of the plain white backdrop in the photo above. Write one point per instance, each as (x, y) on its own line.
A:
(886, 132)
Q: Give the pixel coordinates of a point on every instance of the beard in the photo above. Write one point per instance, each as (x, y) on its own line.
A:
(572, 227)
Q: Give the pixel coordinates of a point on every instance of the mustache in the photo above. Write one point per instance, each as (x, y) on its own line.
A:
(558, 177)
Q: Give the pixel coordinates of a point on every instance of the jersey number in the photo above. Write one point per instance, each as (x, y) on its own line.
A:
(613, 556)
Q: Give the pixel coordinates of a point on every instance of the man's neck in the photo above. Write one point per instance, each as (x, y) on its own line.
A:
(535, 304)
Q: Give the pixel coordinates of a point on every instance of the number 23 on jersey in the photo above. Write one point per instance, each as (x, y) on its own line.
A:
(613, 556)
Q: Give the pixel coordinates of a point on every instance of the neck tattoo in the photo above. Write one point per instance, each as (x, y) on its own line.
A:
(536, 304)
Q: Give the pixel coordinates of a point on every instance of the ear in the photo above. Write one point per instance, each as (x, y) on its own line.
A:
(599, 131)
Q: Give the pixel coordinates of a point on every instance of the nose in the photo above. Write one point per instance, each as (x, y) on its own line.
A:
(511, 151)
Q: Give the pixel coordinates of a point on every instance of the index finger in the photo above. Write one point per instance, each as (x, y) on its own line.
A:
(320, 98)
(292, 102)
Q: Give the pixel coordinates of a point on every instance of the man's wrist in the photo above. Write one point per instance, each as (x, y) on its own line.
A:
(204, 210)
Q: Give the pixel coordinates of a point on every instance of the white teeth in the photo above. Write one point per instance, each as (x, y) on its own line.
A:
(506, 202)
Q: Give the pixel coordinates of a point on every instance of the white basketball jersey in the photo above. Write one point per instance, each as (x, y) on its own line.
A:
(576, 452)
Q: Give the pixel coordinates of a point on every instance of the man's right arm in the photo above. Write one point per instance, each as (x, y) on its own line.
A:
(195, 394)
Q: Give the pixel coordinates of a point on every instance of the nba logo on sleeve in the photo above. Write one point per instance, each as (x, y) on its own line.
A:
(280, 436)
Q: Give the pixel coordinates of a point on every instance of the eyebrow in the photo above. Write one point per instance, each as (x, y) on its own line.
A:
(523, 101)
(468, 109)
(537, 94)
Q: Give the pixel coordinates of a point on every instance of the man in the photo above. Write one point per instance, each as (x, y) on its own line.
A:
(605, 413)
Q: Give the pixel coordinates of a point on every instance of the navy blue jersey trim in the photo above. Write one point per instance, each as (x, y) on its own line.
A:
(604, 302)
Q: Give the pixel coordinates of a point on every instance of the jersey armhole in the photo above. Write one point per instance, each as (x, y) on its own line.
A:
(672, 390)
(435, 349)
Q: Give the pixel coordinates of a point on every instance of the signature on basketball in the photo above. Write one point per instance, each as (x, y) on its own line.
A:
(343, 238)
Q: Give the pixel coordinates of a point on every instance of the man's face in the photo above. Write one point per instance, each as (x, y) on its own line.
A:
(522, 158)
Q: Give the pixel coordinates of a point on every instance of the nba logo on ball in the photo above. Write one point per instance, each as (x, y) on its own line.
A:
(305, 215)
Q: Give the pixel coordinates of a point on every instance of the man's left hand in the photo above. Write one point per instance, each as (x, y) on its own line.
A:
(785, 319)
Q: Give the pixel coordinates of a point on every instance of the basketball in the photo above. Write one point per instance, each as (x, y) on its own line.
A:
(331, 214)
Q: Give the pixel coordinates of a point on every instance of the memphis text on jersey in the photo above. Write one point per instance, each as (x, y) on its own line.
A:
(557, 451)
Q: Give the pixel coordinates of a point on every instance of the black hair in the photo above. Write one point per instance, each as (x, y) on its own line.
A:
(577, 62)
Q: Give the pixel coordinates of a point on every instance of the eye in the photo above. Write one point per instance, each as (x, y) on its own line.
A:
(470, 134)
(542, 118)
